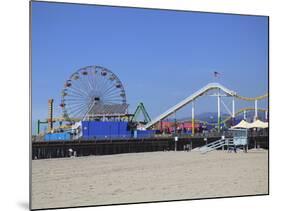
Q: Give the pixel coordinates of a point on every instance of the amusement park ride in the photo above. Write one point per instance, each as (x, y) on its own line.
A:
(95, 93)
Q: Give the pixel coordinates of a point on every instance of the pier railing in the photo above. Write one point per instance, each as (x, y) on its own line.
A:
(207, 135)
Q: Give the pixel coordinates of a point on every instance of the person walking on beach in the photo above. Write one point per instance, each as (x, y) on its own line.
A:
(234, 149)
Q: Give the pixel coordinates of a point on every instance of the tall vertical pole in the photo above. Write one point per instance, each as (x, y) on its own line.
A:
(233, 110)
(50, 114)
(256, 109)
(175, 128)
(245, 115)
(219, 111)
(266, 115)
(38, 126)
(192, 117)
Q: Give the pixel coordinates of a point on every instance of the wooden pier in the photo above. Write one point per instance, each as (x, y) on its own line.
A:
(57, 149)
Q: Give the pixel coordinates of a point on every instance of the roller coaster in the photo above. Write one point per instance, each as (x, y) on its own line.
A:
(212, 89)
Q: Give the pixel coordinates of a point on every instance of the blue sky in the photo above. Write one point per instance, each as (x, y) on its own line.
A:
(160, 56)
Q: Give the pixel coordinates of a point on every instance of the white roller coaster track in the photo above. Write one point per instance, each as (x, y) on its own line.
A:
(195, 95)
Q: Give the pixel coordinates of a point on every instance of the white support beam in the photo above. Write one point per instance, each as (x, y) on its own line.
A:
(192, 117)
(175, 115)
(219, 110)
(233, 107)
(225, 106)
(192, 110)
(256, 109)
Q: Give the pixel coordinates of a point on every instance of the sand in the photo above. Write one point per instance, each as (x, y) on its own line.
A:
(151, 176)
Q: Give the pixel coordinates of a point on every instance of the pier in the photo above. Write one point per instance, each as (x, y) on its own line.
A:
(58, 149)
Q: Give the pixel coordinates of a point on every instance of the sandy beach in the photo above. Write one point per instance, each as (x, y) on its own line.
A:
(153, 176)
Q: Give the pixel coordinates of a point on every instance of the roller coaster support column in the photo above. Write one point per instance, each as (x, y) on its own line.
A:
(256, 109)
(233, 111)
(219, 111)
(192, 117)
(175, 128)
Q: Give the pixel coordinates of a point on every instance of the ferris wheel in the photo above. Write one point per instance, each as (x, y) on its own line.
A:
(90, 86)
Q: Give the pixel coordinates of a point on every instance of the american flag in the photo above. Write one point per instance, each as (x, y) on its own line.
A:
(216, 74)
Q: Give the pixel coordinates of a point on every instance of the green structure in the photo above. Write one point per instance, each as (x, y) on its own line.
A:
(137, 112)
(38, 125)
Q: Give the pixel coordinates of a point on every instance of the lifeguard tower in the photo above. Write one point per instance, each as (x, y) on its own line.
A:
(240, 138)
